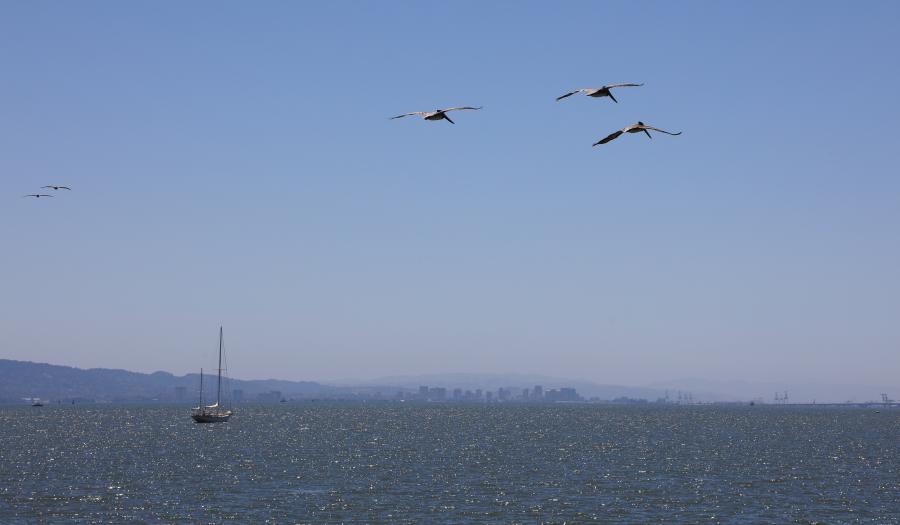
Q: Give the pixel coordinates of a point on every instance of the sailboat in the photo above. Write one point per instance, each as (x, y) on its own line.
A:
(212, 413)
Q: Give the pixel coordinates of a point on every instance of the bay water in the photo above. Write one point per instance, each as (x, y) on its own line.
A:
(394, 463)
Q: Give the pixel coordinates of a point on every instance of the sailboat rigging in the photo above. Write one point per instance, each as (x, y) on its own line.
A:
(212, 413)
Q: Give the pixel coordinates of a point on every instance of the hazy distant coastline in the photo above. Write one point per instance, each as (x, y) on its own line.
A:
(21, 381)
(25, 379)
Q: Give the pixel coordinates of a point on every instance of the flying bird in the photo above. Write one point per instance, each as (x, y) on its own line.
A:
(57, 187)
(437, 114)
(37, 195)
(599, 92)
(634, 128)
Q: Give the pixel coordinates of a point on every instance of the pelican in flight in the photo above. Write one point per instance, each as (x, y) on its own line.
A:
(599, 92)
(37, 195)
(436, 114)
(634, 128)
(57, 187)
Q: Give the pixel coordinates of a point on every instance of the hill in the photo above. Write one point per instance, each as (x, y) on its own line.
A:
(24, 379)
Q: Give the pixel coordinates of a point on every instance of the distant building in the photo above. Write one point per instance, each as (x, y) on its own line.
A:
(560, 395)
(568, 394)
(489, 396)
(437, 394)
(423, 392)
(537, 393)
(457, 394)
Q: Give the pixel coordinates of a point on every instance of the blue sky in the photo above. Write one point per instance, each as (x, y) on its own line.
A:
(234, 163)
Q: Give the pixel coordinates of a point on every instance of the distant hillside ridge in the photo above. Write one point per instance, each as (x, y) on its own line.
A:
(25, 379)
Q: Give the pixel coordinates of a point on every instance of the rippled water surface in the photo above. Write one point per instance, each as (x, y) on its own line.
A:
(332, 463)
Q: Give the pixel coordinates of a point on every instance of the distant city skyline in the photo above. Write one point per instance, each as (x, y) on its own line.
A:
(24, 380)
(235, 164)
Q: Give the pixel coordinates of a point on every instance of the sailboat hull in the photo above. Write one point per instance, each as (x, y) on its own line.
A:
(211, 418)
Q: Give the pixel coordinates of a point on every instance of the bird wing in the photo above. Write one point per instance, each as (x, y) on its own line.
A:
(457, 109)
(43, 195)
(65, 188)
(419, 113)
(612, 136)
(622, 85)
(42, 187)
(569, 94)
(659, 130)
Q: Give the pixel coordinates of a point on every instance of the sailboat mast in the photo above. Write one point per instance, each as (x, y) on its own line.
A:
(219, 386)
(201, 388)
